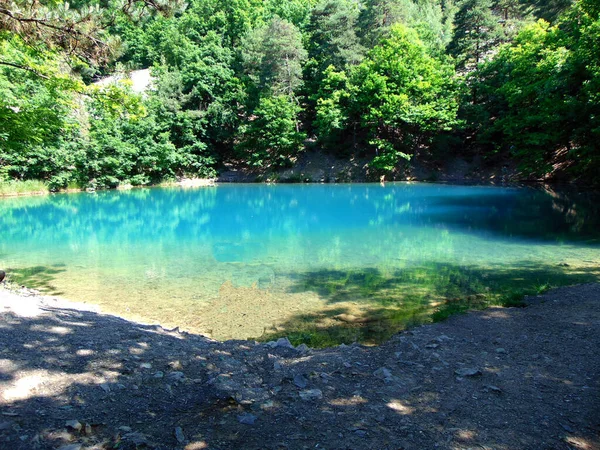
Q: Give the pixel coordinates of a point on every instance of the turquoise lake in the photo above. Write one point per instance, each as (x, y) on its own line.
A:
(321, 263)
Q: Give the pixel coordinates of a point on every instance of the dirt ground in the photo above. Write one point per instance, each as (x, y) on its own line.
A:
(516, 378)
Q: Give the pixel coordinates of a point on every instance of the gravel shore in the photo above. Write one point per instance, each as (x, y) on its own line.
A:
(503, 378)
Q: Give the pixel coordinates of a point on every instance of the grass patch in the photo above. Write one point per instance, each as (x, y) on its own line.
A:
(14, 187)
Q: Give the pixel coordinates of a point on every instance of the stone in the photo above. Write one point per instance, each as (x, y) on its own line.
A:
(303, 348)
(383, 373)
(159, 374)
(247, 419)
(500, 350)
(468, 372)
(284, 343)
(491, 387)
(300, 381)
(125, 429)
(311, 394)
(71, 447)
(176, 376)
(145, 366)
(267, 405)
(567, 428)
(74, 425)
(136, 438)
(179, 435)
(105, 387)
(88, 429)
(2, 275)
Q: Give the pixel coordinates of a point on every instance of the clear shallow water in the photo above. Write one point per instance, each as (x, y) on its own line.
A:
(321, 262)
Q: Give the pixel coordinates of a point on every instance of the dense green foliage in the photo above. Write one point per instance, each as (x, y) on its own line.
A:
(252, 82)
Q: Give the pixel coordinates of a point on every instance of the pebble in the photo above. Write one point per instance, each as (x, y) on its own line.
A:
(145, 366)
(105, 387)
(500, 350)
(247, 419)
(179, 435)
(311, 394)
(159, 374)
(468, 372)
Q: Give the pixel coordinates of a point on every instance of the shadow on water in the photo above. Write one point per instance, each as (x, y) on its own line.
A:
(369, 305)
(38, 277)
(567, 216)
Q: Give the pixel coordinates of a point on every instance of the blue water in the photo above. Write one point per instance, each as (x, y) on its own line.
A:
(239, 261)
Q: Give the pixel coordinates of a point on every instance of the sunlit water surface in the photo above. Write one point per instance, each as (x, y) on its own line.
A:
(322, 263)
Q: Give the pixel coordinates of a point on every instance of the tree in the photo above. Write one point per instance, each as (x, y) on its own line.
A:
(402, 95)
(432, 19)
(477, 32)
(379, 15)
(271, 138)
(332, 107)
(273, 55)
(332, 35)
(539, 96)
(81, 32)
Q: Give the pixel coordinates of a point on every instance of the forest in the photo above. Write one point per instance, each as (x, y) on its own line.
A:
(257, 82)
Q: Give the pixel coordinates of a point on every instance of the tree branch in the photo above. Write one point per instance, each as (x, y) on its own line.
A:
(28, 69)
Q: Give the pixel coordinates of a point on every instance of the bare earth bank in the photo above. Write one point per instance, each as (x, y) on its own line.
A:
(526, 378)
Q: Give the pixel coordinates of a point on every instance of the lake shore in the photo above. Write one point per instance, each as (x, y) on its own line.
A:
(502, 378)
(41, 189)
